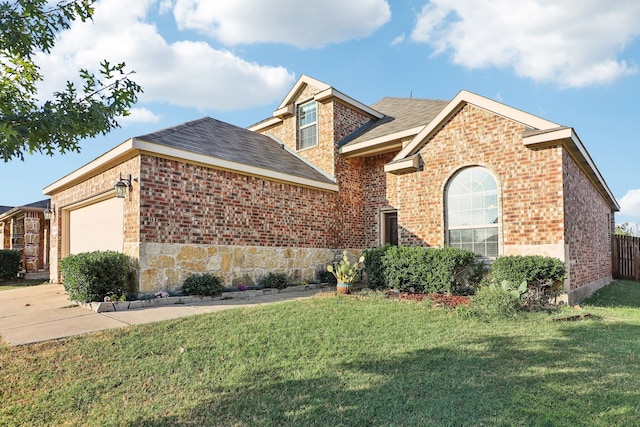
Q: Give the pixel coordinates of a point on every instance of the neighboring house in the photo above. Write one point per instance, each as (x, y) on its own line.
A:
(327, 173)
(25, 229)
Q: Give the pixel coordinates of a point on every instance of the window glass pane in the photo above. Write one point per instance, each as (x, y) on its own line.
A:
(472, 201)
(307, 137)
(307, 113)
(307, 124)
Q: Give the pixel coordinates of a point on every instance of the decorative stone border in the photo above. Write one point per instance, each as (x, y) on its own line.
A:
(104, 307)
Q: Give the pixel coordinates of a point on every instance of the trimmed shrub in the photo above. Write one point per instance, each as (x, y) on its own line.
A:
(274, 280)
(429, 270)
(495, 301)
(206, 285)
(544, 275)
(374, 268)
(9, 264)
(325, 276)
(91, 276)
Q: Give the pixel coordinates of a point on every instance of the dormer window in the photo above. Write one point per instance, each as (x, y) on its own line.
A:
(307, 125)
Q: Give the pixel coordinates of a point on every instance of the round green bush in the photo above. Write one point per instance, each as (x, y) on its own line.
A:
(91, 276)
(205, 284)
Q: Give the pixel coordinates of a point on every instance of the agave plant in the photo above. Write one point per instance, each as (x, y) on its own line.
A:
(345, 271)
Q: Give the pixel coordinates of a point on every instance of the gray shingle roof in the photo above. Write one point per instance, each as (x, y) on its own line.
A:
(400, 114)
(225, 141)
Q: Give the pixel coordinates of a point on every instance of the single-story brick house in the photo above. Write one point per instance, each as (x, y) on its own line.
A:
(327, 172)
(26, 229)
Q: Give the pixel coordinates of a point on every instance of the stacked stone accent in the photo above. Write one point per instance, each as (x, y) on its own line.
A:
(165, 266)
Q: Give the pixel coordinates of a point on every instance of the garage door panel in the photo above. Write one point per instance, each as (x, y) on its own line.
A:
(97, 227)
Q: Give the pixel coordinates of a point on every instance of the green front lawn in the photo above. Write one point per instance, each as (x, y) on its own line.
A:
(336, 361)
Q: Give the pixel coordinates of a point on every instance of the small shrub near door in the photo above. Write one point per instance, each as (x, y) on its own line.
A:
(428, 270)
(91, 276)
(274, 280)
(206, 285)
(374, 268)
(9, 264)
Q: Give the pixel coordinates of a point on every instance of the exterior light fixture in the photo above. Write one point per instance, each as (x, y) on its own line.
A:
(48, 213)
(122, 186)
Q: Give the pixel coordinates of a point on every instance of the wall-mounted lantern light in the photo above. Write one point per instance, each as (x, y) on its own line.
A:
(48, 213)
(122, 186)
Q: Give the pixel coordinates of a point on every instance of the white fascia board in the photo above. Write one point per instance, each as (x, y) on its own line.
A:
(265, 124)
(374, 144)
(548, 137)
(409, 164)
(303, 80)
(568, 136)
(218, 163)
(112, 156)
(464, 97)
(331, 92)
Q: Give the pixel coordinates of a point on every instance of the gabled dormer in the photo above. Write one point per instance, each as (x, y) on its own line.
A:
(312, 118)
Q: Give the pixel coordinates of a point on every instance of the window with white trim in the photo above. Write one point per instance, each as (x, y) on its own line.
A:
(472, 211)
(307, 125)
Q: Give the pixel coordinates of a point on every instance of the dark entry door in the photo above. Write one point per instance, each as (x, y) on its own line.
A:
(391, 228)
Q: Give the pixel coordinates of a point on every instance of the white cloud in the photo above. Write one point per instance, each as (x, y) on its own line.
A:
(398, 40)
(572, 43)
(308, 24)
(630, 204)
(140, 115)
(184, 73)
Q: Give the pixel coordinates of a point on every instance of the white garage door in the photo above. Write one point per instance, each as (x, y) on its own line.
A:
(97, 227)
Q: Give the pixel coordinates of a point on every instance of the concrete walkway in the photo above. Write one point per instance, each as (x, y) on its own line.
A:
(44, 312)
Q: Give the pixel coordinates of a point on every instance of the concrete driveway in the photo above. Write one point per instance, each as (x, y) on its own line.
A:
(44, 312)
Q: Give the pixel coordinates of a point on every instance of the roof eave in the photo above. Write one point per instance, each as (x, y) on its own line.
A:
(218, 163)
(572, 143)
(110, 158)
(405, 165)
(457, 103)
(379, 145)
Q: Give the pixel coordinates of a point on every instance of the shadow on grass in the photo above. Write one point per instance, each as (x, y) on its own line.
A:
(577, 378)
(621, 293)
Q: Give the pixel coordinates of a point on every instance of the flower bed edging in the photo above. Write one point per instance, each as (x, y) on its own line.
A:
(105, 307)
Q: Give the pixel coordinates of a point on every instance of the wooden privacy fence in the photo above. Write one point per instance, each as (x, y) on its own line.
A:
(626, 257)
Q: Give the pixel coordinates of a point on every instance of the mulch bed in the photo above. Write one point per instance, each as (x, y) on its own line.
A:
(437, 300)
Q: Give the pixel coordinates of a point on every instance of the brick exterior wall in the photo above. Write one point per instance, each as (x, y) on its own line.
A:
(186, 203)
(380, 194)
(588, 228)
(336, 121)
(95, 186)
(529, 182)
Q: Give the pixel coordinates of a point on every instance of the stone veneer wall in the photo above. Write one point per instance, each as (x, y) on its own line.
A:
(165, 266)
(588, 231)
(195, 219)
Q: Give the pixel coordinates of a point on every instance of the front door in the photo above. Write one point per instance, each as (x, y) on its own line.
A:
(391, 228)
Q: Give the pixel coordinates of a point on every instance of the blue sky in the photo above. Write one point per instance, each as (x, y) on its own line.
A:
(576, 63)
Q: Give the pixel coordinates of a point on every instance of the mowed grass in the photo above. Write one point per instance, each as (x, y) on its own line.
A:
(336, 361)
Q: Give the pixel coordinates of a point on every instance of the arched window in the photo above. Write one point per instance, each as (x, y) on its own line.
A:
(472, 211)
